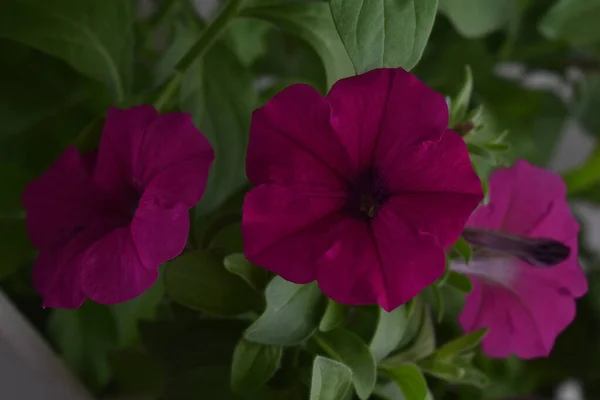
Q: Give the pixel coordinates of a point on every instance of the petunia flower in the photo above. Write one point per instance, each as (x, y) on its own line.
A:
(361, 190)
(524, 289)
(104, 222)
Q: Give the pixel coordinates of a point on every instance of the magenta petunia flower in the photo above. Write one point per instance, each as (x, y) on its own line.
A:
(361, 190)
(104, 222)
(517, 293)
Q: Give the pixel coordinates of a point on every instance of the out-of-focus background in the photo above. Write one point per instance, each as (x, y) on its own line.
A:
(544, 91)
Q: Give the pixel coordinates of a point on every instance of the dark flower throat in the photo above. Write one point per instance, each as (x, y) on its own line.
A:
(367, 192)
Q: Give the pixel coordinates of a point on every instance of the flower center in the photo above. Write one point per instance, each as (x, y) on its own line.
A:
(366, 194)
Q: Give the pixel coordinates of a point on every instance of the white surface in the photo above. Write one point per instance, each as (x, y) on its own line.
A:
(29, 369)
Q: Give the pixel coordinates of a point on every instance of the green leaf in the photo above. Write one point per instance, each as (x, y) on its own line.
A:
(410, 380)
(334, 316)
(443, 370)
(77, 33)
(384, 33)
(475, 18)
(199, 280)
(247, 39)
(254, 275)
(32, 94)
(313, 23)
(424, 342)
(136, 373)
(197, 356)
(389, 332)
(253, 365)
(585, 176)
(588, 103)
(84, 336)
(221, 109)
(346, 347)
(460, 104)
(292, 315)
(460, 345)
(572, 21)
(463, 248)
(331, 380)
(127, 315)
(15, 246)
(454, 373)
(439, 302)
(460, 282)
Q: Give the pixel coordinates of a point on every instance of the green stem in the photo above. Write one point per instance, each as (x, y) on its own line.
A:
(169, 90)
(208, 38)
(211, 34)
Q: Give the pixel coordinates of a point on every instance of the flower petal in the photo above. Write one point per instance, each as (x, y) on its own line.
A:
(174, 148)
(62, 201)
(159, 232)
(441, 166)
(292, 143)
(410, 260)
(286, 231)
(442, 215)
(113, 272)
(350, 271)
(122, 137)
(524, 196)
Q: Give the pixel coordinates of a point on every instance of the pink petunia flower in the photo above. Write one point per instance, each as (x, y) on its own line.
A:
(361, 190)
(104, 222)
(524, 303)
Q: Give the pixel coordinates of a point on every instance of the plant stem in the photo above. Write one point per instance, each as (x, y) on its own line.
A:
(208, 38)
(210, 35)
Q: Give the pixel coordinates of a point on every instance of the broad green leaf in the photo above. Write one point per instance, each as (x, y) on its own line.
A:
(410, 380)
(572, 21)
(334, 316)
(292, 315)
(199, 280)
(424, 342)
(77, 32)
(460, 104)
(363, 321)
(247, 38)
(32, 94)
(389, 332)
(219, 93)
(331, 380)
(84, 336)
(313, 23)
(475, 18)
(460, 345)
(459, 281)
(253, 365)
(254, 275)
(384, 33)
(346, 347)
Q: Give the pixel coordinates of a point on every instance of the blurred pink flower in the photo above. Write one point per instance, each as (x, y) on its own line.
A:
(106, 221)
(361, 190)
(525, 307)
